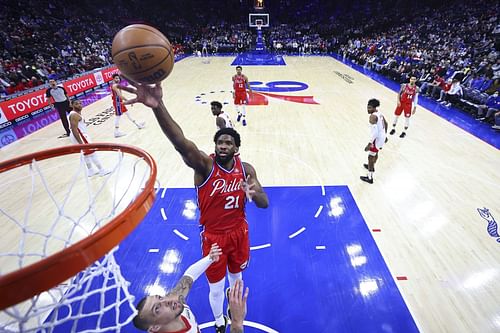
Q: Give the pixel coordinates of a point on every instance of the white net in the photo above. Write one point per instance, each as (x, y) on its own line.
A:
(49, 205)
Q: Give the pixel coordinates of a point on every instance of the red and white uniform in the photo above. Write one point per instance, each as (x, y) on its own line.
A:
(240, 89)
(189, 320)
(82, 130)
(118, 103)
(407, 96)
(221, 201)
(227, 119)
(378, 133)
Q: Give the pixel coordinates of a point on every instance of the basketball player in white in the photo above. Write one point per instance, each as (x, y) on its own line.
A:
(170, 313)
(79, 135)
(222, 119)
(378, 136)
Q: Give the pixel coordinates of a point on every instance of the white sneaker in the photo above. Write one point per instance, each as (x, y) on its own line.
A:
(495, 126)
(92, 172)
(104, 172)
(140, 125)
(119, 134)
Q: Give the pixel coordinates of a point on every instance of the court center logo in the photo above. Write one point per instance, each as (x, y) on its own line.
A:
(263, 92)
(492, 227)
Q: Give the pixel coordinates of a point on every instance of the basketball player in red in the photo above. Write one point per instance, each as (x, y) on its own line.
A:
(118, 105)
(224, 184)
(407, 103)
(240, 85)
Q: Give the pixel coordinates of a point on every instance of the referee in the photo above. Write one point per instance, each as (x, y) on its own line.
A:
(60, 101)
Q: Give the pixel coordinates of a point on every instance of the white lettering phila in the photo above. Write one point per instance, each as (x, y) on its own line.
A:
(220, 186)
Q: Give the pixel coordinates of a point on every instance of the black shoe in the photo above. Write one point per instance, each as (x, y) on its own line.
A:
(63, 136)
(392, 131)
(228, 309)
(366, 179)
(221, 329)
(402, 135)
(366, 166)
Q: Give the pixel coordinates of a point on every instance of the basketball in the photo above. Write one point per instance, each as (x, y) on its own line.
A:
(142, 53)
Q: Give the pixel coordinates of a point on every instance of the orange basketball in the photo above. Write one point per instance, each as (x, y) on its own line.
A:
(142, 53)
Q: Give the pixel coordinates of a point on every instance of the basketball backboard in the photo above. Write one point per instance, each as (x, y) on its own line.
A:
(256, 20)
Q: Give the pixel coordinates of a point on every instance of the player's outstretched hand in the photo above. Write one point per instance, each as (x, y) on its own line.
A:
(247, 187)
(215, 252)
(149, 95)
(238, 305)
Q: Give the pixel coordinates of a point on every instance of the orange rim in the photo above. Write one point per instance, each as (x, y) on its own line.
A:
(23, 284)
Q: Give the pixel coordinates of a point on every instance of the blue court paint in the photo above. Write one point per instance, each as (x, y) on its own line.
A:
(258, 59)
(453, 115)
(329, 278)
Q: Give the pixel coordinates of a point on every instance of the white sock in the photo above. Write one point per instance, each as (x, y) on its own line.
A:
(117, 124)
(216, 298)
(244, 111)
(370, 174)
(237, 109)
(407, 122)
(96, 161)
(88, 162)
(233, 277)
(395, 121)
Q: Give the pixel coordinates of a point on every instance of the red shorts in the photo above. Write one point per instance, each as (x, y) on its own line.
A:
(406, 107)
(235, 247)
(240, 97)
(120, 109)
(373, 148)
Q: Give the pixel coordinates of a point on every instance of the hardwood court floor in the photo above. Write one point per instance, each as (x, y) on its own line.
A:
(427, 186)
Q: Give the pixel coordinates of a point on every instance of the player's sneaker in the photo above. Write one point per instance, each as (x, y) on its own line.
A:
(119, 134)
(244, 122)
(104, 172)
(366, 179)
(222, 329)
(92, 172)
(402, 135)
(239, 117)
(392, 131)
(140, 125)
(366, 166)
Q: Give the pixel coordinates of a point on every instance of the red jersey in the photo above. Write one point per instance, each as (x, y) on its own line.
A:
(239, 83)
(120, 108)
(221, 199)
(408, 94)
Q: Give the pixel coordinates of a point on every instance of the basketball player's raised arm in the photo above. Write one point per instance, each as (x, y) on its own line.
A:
(152, 96)
(253, 188)
(194, 271)
(74, 119)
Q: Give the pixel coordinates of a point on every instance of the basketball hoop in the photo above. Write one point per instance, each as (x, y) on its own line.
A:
(81, 233)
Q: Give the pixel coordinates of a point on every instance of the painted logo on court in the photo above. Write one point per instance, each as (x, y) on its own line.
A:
(262, 93)
(492, 227)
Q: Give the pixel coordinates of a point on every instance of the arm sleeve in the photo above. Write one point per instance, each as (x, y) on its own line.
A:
(195, 270)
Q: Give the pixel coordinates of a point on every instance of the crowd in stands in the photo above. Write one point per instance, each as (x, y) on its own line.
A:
(451, 49)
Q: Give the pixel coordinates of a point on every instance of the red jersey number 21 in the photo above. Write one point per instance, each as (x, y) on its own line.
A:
(232, 202)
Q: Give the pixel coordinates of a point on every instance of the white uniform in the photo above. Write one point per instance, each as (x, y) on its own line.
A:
(380, 130)
(227, 119)
(189, 320)
(82, 129)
